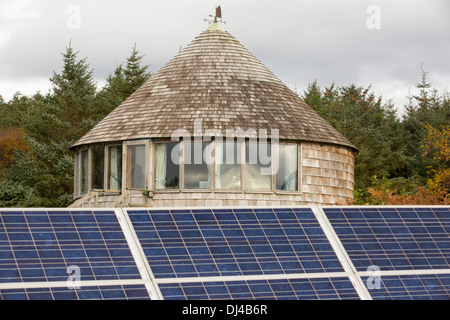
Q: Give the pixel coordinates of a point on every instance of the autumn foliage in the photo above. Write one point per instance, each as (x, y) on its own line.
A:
(11, 140)
(421, 197)
(437, 145)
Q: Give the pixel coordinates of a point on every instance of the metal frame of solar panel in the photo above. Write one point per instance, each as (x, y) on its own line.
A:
(258, 250)
(301, 252)
(399, 252)
(44, 252)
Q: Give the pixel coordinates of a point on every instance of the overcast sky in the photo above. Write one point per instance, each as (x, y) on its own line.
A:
(381, 43)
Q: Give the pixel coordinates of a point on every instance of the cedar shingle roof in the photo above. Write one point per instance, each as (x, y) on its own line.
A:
(216, 79)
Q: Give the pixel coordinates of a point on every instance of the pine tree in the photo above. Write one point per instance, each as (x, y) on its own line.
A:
(135, 74)
(122, 83)
(72, 98)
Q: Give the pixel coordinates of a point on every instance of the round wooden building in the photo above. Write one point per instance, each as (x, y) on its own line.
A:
(214, 127)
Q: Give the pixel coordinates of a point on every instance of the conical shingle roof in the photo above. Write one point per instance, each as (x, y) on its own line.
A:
(218, 80)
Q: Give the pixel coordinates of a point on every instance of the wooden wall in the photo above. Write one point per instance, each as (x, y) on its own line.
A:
(327, 174)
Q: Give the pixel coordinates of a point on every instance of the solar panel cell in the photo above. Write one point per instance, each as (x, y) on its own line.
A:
(412, 287)
(125, 292)
(280, 289)
(227, 242)
(40, 246)
(393, 238)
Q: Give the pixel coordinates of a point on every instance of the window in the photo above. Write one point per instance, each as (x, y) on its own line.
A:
(258, 166)
(115, 168)
(167, 168)
(136, 166)
(84, 171)
(286, 175)
(228, 165)
(197, 165)
(98, 168)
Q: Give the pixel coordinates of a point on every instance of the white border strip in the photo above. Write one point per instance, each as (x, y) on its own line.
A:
(341, 253)
(271, 206)
(139, 254)
(254, 277)
(404, 272)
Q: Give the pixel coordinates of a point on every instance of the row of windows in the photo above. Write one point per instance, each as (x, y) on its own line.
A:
(191, 166)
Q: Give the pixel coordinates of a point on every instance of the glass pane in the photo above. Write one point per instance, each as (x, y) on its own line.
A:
(115, 168)
(98, 166)
(287, 168)
(197, 160)
(228, 165)
(136, 158)
(257, 166)
(167, 168)
(84, 172)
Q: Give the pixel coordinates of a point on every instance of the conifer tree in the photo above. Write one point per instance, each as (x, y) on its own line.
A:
(72, 97)
(135, 74)
(122, 83)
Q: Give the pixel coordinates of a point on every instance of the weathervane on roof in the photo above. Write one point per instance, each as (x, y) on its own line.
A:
(217, 16)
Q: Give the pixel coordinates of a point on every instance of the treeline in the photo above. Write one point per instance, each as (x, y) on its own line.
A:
(401, 160)
(36, 165)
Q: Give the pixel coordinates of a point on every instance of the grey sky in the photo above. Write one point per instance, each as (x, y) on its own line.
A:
(299, 41)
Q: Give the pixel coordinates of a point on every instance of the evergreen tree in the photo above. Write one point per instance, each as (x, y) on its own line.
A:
(371, 126)
(67, 110)
(425, 109)
(135, 74)
(122, 83)
(15, 112)
(53, 123)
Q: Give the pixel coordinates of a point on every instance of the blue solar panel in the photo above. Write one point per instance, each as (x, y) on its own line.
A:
(125, 292)
(400, 238)
(411, 287)
(226, 242)
(40, 246)
(287, 289)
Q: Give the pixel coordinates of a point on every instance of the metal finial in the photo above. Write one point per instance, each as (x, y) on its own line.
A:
(217, 17)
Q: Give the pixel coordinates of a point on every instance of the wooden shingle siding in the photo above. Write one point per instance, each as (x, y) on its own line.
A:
(327, 173)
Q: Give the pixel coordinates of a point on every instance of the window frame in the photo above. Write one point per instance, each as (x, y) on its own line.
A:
(126, 168)
(108, 168)
(244, 164)
(91, 164)
(153, 168)
(299, 167)
(150, 167)
(80, 172)
(183, 166)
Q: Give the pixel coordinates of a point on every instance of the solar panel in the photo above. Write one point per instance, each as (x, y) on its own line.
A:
(38, 246)
(122, 292)
(412, 287)
(394, 238)
(233, 242)
(225, 253)
(281, 289)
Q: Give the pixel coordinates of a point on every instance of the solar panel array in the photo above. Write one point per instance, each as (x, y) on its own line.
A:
(227, 242)
(394, 238)
(370, 252)
(41, 245)
(298, 289)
